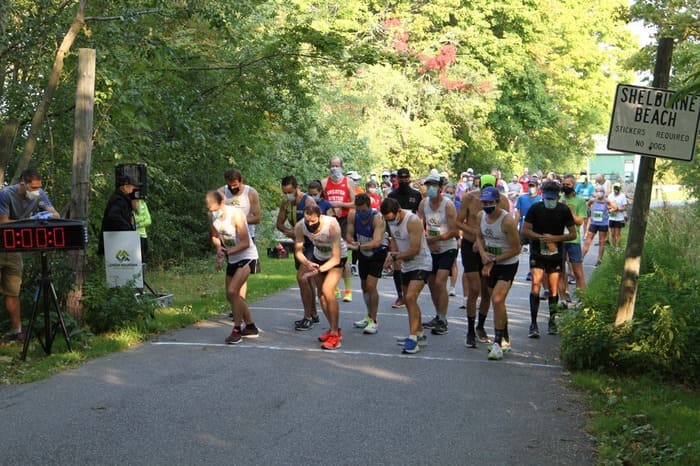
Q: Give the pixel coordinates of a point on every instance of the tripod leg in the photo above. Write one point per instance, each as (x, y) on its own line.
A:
(61, 322)
(30, 328)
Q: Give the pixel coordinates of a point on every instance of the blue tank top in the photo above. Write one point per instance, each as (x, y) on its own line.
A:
(599, 213)
(365, 234)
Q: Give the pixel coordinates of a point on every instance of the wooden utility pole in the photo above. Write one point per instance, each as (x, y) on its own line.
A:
(82, 157)
(642, 197)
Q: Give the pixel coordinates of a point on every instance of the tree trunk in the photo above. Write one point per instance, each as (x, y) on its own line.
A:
(7, 144)
(82, 158)
(640, 207)
(54, 78)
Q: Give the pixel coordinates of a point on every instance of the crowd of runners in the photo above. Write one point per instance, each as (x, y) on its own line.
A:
(413, 230)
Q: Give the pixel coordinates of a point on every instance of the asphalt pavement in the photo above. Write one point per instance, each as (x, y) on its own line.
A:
(187, 398)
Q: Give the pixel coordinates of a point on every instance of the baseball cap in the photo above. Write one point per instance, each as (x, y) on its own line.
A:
(470, 171)
(385, 173)
(432, 179)
(354, 175)
(532, 182)
(403, 172)
(488, 180)
(617, 185)
(126, 180)
(490, 194)
(550, 190)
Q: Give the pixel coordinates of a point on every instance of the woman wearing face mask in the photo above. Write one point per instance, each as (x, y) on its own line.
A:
(315, 190)
(373, 193)
(600, 211)
(235, 246)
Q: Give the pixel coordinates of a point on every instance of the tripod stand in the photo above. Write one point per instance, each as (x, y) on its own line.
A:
(46, 295)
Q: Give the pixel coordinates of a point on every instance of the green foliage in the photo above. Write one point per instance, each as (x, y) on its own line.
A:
(642, 420)
(108, 309)
(661, 338)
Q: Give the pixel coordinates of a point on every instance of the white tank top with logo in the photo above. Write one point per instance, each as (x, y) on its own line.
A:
(436, 224)
(323, 246)
(495, 241)
(227, 232)
(424, 260)
(240, 201)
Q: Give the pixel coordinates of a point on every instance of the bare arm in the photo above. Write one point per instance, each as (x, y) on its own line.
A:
(253, 217)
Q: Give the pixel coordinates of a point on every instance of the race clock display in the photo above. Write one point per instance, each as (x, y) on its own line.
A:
(42, 235)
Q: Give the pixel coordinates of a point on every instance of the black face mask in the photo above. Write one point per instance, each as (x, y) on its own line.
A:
(567, 190)
(489, 209)
(233, 191)
(404, 185)
(313, 227)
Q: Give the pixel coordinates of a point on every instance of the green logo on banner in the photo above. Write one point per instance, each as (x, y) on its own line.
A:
(122, 256)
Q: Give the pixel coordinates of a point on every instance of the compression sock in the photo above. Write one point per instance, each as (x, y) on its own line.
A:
(534, 307)
(499, 337)
(470, 324)
(553, 300)
(397, 284)
(482, 320)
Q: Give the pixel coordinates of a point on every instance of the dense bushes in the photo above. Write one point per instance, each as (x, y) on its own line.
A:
(664, 333)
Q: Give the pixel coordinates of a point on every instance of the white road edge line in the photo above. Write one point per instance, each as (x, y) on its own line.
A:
(352, 353)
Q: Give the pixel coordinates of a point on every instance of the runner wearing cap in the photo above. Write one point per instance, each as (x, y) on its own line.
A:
(548, 224)
(617, 216)
(473, 284)
(499, 246)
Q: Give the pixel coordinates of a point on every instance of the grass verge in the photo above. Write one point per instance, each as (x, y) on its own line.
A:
(198, 293)
(640, 420)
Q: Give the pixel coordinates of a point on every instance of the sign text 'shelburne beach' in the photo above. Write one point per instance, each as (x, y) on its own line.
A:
(644, 123)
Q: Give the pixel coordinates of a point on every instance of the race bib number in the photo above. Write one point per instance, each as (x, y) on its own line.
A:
(598, 216)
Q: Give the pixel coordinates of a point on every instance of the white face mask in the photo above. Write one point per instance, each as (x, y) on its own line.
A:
(317, 197)
(599, 194)
(336, 173)
(291, 197)
(32, 195)
(372, 190)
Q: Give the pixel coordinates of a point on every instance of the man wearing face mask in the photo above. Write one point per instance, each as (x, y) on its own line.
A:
(572, 249)
(499, 246)
(373, 193)
(291, 210)
(324, 267)
(20, 202)
(340, 192)
(409, 200)
(473, 283)
(547, 224)
(617, 217)
(242, 196)
(440, 222)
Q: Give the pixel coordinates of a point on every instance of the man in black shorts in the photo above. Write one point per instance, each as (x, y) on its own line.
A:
(547, 225)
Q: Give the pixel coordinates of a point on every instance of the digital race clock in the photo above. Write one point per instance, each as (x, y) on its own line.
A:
(42, 235)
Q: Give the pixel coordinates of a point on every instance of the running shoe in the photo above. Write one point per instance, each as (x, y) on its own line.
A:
(234, 338)
(410, 346)
(333, 342)
(353, 270)
(496, 354)
(433, 323)
(303, 325)
(534, 331)
(315, 319)
(371, 328)
(505, 346)
(337, 293)
(361, 323)
(483, 337)
(250, 331)
(398, 303)
(552, 326)
(470, 342)
(440, 328)
(324, 336)
(452, 292)
(347, 297)
(422, 340)
(529, 277)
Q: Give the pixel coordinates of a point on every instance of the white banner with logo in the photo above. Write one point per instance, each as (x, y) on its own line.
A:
(123, 258)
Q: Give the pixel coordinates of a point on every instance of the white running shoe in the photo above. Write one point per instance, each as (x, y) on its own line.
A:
(362, 323)
(495, 354)
(371, 328)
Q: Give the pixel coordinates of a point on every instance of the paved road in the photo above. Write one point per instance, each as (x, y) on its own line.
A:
(186, 398)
